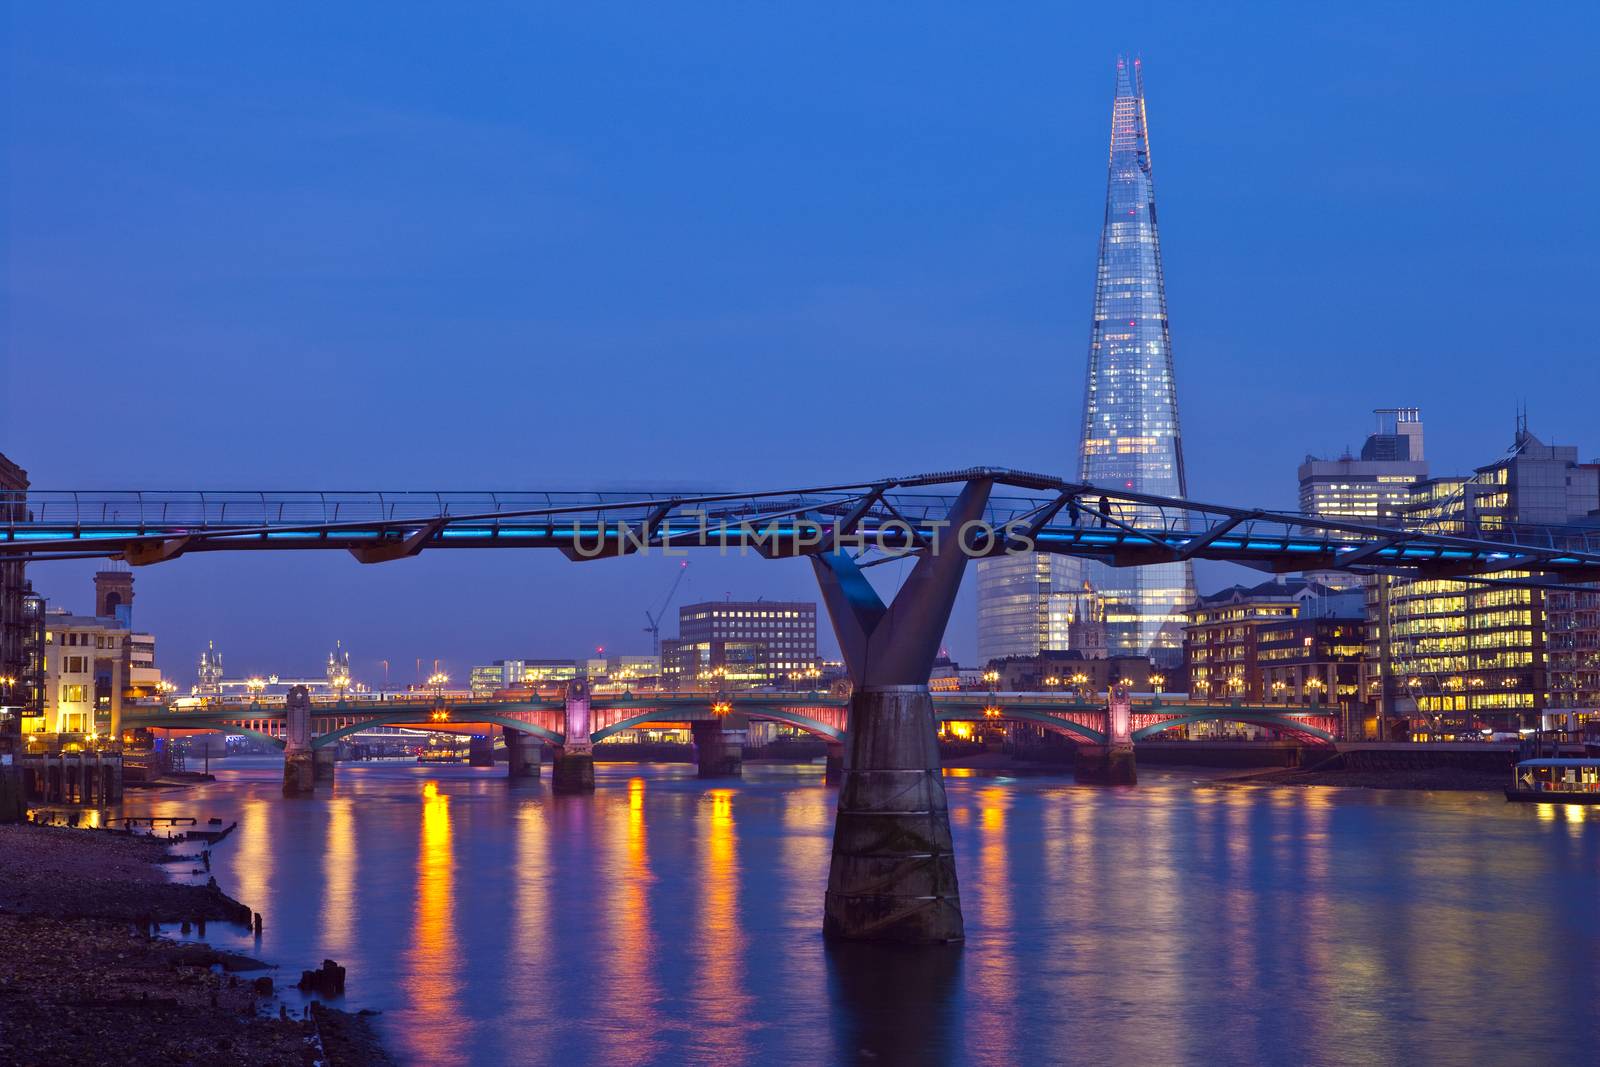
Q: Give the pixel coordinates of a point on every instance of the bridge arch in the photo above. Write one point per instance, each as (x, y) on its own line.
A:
(408, 718)
(1077, 731)
(215, 726)
(659, 714)
(1275, 722)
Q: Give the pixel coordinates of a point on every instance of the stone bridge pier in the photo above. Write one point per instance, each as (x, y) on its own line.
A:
(719, 745)
(573, 770)
(1113, 762)
(299, 770)
(522, 753)
(322, 761)
(833, 765)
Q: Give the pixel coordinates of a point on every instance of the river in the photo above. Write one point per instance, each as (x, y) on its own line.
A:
(667, 920)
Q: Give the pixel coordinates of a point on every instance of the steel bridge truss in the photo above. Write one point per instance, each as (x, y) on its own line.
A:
(870, 522)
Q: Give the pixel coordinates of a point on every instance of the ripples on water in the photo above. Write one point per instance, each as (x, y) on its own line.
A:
(669, 920)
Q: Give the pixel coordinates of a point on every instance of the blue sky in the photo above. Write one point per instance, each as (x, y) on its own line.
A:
(530, 246)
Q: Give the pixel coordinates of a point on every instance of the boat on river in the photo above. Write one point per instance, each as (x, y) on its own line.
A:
(1556, 781)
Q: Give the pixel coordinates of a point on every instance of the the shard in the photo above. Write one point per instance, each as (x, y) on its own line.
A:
(1131, 437)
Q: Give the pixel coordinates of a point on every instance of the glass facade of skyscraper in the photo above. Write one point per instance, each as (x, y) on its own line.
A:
(1130, 437)
(1027, 604)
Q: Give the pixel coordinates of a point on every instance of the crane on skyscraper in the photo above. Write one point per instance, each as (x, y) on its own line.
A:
(654, 629)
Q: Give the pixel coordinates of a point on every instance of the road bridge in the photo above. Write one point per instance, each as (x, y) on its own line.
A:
(892, 875)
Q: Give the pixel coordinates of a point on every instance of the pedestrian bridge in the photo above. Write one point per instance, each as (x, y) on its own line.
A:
(892, 873)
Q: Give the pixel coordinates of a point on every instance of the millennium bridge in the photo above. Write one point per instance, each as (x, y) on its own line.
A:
(892, 874)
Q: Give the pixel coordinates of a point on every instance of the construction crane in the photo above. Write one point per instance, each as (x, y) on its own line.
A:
(654, 629)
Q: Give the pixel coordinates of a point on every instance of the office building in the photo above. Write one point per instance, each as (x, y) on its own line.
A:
(1284, 641)
(521, 674)
(20, 683)
(743, 643)
(1376, 487)
(1034, 602)
(1572, 646)
(1472, 655)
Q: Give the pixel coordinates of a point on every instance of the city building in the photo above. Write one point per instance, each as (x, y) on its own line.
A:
(1375, 488)
(521, 674)
(94, 664)
(1472, 655)
(743, 643)
(1572, 647)
(1131, 437)
(1286, 641)
(1072, 672)
(1033, 602)
(20, 680)
(949, 676)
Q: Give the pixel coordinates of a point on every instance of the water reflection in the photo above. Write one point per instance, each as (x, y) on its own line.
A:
(435, 961)
(340, 859)
(993, 1031)
(721, 928)
(1172, 923)
(630, 956)
(897, 1005)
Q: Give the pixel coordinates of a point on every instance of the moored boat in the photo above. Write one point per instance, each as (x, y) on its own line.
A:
(1556, 781)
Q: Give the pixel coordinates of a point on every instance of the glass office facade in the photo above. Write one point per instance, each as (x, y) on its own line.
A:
(1130, 437)
(1027, 604)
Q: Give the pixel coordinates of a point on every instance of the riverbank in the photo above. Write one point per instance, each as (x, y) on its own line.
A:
(86, 979)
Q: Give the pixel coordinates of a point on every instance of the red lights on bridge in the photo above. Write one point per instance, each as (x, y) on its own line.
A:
(721, 708)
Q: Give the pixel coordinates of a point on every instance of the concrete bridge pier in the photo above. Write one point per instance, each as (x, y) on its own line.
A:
(322, 761)
(299, 772)
(833, 767)
(480, 751)
(573, 769)
(719, 746)
(893, 872)
(522, 750)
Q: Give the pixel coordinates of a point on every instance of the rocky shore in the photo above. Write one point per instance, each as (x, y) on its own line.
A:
(86, 979)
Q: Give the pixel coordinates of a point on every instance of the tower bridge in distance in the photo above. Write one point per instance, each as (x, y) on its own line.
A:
(892, 875)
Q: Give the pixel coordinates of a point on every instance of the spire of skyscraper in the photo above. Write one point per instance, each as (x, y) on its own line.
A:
(1130, 437)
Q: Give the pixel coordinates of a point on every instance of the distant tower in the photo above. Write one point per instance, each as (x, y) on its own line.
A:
(113, 595)
(338, 668)
(1130, 437)
(210, 671)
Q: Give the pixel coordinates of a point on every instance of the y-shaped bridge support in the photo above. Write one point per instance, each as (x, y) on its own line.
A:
(893, 875)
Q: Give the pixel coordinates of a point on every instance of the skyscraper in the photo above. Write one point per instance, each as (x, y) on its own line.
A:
(1130, 437)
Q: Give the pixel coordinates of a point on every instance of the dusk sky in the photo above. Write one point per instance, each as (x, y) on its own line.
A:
(746, 246)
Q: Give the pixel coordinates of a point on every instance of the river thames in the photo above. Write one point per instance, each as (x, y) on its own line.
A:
(665, 920)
